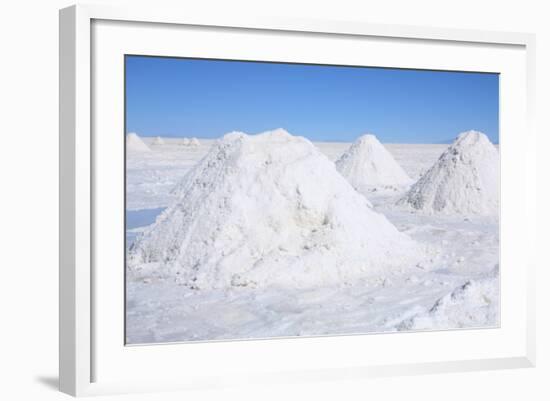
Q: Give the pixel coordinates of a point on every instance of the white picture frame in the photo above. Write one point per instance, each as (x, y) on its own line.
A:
(87, 334)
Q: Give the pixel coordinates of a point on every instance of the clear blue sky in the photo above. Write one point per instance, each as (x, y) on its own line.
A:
(208, 98)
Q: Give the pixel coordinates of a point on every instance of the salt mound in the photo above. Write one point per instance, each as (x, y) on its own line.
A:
(194, 142)
(474, 304)
(158, 141)
(367, 165)
(135, 144)
(268, 209)
(465, 179)
(185, 141)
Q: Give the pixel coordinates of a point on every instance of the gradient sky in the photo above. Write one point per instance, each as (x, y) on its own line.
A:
(208, 98)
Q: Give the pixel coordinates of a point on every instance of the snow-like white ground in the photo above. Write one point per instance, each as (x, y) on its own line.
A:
(456, 287)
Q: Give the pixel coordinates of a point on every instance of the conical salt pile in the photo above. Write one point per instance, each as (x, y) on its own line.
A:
(269, 209)
(367, 165)
(135, 144)
(194, 142)
(465, 179)
(158, 141)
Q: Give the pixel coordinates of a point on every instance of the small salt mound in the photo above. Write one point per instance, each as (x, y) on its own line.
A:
(185, 141)
(474, 304)
(464, 180)
(194, 142)
(158, 141)
(135, 144)
(367, 165)
(269, 209)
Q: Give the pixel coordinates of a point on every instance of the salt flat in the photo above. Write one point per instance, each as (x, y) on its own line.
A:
(455, 286)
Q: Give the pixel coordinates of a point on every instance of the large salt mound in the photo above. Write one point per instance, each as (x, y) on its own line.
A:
(367, 165)
(268, 209)
(135, 144)
(464, 180)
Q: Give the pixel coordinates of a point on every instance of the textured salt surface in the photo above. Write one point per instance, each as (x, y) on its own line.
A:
(474, 304)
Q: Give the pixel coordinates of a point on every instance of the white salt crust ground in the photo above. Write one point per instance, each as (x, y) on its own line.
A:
(464, 262)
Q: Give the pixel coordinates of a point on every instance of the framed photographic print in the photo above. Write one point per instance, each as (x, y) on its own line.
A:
(275, 200)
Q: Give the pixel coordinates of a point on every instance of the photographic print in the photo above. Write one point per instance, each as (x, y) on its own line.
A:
(267, 200)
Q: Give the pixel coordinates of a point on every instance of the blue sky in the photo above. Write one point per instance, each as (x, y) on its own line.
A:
(208, 98)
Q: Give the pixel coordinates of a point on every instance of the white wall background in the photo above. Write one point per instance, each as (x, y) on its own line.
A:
(29, 184)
